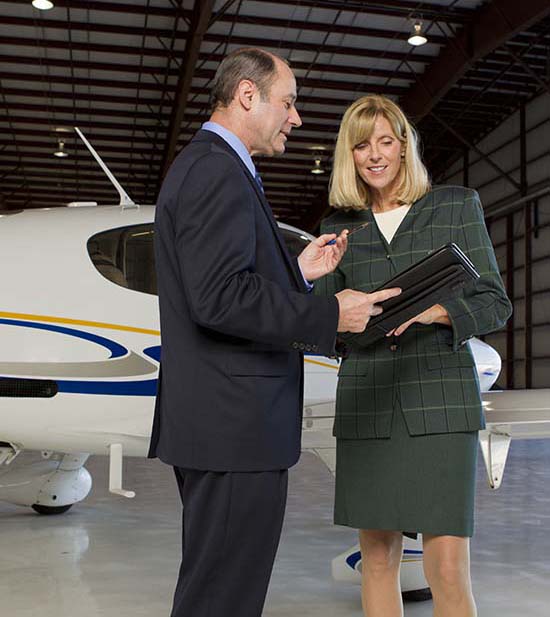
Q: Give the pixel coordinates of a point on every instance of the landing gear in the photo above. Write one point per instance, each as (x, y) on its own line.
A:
(49, 510)
(49, 486)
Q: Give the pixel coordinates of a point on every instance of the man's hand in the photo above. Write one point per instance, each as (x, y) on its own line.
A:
(356, 307)
(320, 258)
(435, 314)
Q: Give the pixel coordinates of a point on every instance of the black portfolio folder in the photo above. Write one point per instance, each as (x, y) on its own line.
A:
(437, 277)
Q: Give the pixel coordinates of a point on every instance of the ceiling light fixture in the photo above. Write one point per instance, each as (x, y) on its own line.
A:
(417, 38)
(42, 5)
(317, 169)
(60, 152)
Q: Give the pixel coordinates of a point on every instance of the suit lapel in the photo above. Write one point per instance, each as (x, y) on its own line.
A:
(209, 135)
(269, 214)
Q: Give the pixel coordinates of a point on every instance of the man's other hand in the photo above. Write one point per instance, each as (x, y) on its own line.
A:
(356, 307)
(319, 257)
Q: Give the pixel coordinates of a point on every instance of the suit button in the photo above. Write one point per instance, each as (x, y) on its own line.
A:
(295, 345)
(388, 256)
(302, 346)
(308, 348)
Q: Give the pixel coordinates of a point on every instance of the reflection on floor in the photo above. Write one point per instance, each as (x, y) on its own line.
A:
(115, 557)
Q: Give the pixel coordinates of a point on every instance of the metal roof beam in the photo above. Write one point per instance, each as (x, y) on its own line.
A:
(116, 7)
(296, 24)
(154, 70)
(399, 8)
(200, 20)
(214, 38)
(390, 8)
(269, 22)
(278, 46)
(90, 26)
(495, 23)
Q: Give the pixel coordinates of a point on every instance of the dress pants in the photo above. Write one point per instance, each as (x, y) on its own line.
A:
(230, 533)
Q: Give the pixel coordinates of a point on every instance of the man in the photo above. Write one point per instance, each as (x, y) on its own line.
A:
(235, 317)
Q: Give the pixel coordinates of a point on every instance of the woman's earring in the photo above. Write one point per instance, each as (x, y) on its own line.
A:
(403, 154)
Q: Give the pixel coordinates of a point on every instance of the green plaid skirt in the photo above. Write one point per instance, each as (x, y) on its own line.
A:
(419, 484)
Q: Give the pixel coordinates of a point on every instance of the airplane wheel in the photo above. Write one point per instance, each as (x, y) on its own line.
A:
(418, 595)
(50, 509)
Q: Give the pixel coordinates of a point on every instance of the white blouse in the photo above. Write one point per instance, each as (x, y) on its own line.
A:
(388, 222)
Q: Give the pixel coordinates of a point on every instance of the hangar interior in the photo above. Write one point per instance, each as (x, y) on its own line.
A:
(134, 75)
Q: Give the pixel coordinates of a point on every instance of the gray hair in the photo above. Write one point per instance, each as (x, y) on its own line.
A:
(251, 63)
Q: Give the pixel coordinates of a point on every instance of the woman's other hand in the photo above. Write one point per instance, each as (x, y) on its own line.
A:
(435, 314)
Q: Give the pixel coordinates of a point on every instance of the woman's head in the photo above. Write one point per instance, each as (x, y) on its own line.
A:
(376, 151)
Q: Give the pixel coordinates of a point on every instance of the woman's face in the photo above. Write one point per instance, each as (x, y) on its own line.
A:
(378, 160)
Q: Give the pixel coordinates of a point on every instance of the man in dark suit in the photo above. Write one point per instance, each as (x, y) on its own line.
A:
(235, 319)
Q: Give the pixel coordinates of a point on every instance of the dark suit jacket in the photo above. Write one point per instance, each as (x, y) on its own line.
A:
(234, 319)
(431, 372)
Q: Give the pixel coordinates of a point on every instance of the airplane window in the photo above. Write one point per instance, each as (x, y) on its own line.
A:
(295, 242)
(125, 257)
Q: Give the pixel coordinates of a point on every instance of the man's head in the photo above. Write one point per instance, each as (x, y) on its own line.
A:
(253, 95)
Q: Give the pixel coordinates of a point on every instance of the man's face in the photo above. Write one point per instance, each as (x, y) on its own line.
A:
(275, 117)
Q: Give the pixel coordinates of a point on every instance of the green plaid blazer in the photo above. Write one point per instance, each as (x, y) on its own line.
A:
(428, 369)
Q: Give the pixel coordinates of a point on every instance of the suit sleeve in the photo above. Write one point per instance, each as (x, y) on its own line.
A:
(483, 306)
(215, 235)
(299, 275)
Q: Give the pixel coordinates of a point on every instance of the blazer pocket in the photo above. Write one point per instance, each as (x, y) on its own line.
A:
(261, 365)
(437, 358)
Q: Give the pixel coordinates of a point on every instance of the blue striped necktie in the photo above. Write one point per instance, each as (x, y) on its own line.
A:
(258, 179)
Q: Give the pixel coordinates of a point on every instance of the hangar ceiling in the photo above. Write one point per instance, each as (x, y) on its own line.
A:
(134, 75)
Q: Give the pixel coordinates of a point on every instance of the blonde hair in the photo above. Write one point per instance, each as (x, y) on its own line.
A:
(347, 188)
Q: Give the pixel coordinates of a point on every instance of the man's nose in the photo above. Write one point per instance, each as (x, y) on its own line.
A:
(294, 117)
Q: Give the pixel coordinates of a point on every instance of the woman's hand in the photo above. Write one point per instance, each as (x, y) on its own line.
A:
(435, 314)
(319, 257)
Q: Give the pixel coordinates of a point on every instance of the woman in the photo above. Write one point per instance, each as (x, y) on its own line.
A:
(408, 408)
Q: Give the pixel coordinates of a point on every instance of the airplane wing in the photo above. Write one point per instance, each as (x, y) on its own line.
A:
(512, 414)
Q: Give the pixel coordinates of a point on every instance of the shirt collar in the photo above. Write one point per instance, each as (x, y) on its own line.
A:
(234, 142)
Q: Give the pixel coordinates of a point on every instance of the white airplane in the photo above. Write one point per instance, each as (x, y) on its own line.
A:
(80, 351)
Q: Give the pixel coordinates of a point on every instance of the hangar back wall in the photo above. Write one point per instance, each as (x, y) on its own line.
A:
(520, 233)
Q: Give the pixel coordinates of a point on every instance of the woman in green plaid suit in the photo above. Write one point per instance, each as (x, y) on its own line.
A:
(408, 408)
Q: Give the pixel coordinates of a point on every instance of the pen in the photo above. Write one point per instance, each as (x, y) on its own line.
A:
(350, 233)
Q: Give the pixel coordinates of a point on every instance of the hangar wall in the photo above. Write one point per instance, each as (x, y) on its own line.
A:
(528, 333)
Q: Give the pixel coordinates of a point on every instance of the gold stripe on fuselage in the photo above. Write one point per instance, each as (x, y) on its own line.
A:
(77, 322)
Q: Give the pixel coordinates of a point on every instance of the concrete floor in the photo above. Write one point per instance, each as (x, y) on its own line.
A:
(110, 556)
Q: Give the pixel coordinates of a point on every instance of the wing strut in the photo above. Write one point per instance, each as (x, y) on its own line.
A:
(494, 447)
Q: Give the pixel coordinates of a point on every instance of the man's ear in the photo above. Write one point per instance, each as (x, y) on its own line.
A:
(246, 92)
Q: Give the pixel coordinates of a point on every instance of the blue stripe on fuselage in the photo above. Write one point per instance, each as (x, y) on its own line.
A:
(117, 351)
